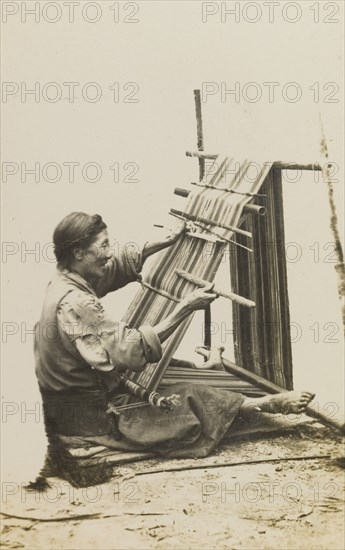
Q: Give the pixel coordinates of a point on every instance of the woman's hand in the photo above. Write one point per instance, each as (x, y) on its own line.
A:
(196, 300)
(179, 229)
(152, 248)
(200, 298)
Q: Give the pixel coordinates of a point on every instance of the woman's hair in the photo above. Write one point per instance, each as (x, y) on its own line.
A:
(77, 230)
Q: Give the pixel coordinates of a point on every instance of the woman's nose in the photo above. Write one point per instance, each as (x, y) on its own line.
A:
(108, 253)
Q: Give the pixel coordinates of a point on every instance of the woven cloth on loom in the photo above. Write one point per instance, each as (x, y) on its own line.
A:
(197, 256)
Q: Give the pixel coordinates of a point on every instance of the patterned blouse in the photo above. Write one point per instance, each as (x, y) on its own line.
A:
(103, 342)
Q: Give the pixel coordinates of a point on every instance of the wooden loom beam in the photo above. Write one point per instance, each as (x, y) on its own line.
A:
(200, 133)
(200, 145)
(279, 164)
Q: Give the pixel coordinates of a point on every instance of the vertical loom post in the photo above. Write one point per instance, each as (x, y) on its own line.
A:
(200, 145)
(200, 133)
(207, 327)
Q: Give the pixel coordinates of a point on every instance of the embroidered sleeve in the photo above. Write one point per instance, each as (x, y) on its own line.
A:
(102, 342)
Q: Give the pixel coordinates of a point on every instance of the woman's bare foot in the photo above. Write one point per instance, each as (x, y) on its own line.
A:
(214, 358)
(291, 402)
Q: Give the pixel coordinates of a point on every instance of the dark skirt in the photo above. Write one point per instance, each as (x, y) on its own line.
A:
(192, 429)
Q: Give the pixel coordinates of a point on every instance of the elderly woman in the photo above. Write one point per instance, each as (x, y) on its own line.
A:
(80, 352)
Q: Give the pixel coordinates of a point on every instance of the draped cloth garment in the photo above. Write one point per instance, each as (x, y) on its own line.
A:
(191, 430)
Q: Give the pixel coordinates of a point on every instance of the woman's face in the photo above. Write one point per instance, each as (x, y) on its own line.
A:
(92, 260)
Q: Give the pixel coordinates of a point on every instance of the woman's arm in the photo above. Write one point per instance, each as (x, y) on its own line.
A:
(196, 300)
(152, 248)
(103, 342)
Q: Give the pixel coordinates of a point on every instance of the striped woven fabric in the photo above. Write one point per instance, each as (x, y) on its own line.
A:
(262, 337)
(213, 378)
(192, 254)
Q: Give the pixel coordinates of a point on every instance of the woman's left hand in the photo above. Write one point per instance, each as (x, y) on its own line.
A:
(179, 229)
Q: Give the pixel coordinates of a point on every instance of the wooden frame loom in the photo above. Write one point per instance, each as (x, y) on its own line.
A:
(218, 209)
(241, 207)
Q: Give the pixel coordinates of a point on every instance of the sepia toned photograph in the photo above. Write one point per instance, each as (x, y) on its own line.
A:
(173, 277)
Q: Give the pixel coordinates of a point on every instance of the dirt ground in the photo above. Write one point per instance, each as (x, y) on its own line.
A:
(276, 499)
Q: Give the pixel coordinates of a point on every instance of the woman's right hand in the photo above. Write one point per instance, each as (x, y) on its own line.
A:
(200, 298)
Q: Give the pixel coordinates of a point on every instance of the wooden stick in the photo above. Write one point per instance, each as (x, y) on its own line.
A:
(226, 189)
(199, 130)
(248, 208)
(207, 327)
(200, 145)
(75, 517)
(227, 464)
(240, 245)
(201, 155)
(161, 292)
(181, 192)
(200, 282)
(214, 236)
(206, 221)
(220, 238)
(339, 266)
(280, 164)
(284, 165)
(272, 388)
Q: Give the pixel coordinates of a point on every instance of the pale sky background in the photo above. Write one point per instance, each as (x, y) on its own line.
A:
(168, 53)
